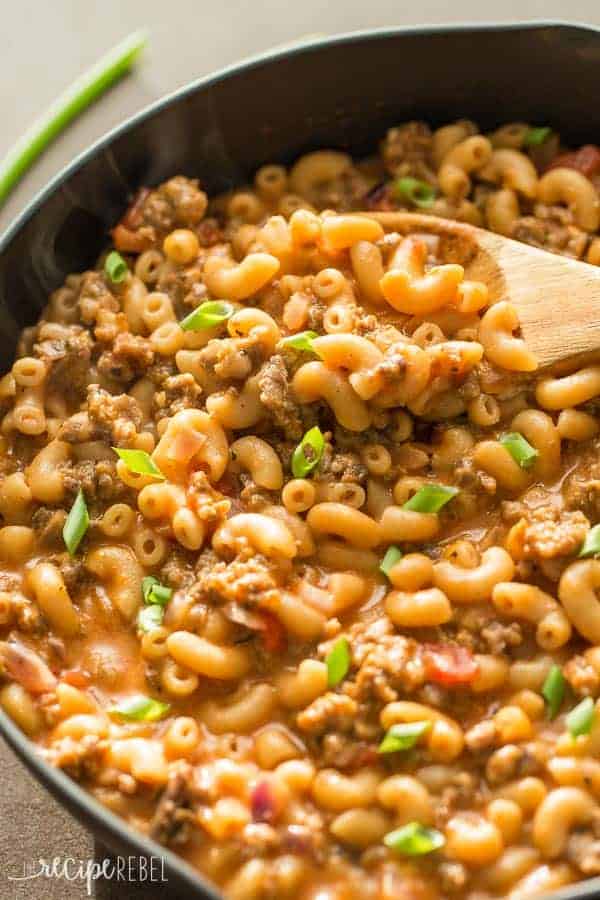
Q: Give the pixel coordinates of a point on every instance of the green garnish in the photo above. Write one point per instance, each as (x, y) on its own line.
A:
(87, 88)
(77, 524)
(207, 315)
(155, 592)
(150, 617)
(392, 555)
(591, 545)
(115, 267)
(520, 449)
(536, 136)
(301, 341)
(580, 720)
(403, 736)
(140, 709)
(156, 596)
(414, 839)
(139, 462)
(553, 690)
(338, 662)
(308, 453)
(414, 191)
(431, 498)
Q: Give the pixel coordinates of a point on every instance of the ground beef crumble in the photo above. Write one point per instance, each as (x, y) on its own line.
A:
(98, 480)
(178, 392)
(582, 486)
(406, 150)
(346, 466)
(73, 572)
(171, 821)
(118, 416)
(582, 676)
(247, 579)
(67, 356)
(114, 418)
(499, 636)
(343, 752)
(48, 525)
(328, 713)
(129, 358)
(277, 395)
(551, 228)
(81, 759)
(388, 664)
(552, 532)
(178, 569)
(208, 503)
(177, 202)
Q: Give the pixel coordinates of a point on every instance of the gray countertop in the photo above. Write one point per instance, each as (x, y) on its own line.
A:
(44, 47)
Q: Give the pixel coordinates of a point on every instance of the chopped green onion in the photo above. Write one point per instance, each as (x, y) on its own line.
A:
(140, 709)
(392, 555)
(414, 839)
(520, 449)
(155, 592)
(115, 267)
(161, 594)
(553, 690)
(207, 315)
(301, 341)
(139, 462)
(308, 453)
(77, 524)
(414, 191)
(150, 617)
(403, 736)
(87, 88)
(591, 545)
(536, 136)
(431, 498)
(338, 662)
(580, 720)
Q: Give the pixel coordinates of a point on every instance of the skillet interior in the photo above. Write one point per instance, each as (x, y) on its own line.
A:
(342, 93)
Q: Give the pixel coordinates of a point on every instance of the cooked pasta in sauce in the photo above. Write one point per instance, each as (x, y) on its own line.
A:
(298, 548)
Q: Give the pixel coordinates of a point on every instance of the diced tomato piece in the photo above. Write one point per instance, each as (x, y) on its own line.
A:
(449, 664)
(273, 633)
(133, 217)
(585, 160)
(128, 241)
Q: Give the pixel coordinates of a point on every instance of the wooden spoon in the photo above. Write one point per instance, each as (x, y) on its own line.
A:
(557, 299)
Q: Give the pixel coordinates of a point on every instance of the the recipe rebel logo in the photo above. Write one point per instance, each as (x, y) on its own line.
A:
(124, 869)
